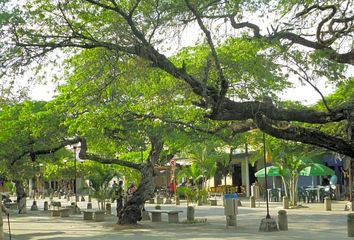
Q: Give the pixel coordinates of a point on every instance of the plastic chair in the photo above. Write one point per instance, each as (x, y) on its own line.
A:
(301, 195)
(274, 195)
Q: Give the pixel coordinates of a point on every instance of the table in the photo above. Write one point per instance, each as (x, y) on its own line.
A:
(317, 189)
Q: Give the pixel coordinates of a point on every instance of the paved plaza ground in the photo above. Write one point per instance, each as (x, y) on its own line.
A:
(310, 222)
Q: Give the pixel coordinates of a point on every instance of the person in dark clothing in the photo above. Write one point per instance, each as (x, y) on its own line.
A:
(118, 193)
(325, 181)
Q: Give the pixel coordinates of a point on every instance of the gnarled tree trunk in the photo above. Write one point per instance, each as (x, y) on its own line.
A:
(131, 212)
(21, 197)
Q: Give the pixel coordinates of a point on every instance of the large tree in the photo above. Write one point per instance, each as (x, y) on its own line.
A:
(310, 39)
(115, 121)
(31, 132)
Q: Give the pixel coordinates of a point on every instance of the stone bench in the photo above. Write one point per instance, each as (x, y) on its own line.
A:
(60, 212)
(55, 205)
(172, 215)
(96, 215)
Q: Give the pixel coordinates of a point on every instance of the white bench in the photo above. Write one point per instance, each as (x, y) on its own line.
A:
(91, 214)
(172, 215)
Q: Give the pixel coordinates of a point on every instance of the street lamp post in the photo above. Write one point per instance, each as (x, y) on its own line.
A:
(267, 224)
(75, 193)
(266, 176)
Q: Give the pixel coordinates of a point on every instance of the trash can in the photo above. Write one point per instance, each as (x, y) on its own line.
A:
(230, 209)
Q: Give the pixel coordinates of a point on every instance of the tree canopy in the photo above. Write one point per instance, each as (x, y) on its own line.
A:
(233, 72)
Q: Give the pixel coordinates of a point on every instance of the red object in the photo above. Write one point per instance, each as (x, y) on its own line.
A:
(172, 187)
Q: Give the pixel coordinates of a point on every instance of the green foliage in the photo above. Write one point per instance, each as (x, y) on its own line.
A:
(100, 176)
(28, 126)
(343, 96)
(291, 158)
(192, 194)
(118, 101)
(11, 187)
(189, 193)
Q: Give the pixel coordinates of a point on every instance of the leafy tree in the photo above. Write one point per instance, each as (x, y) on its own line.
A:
(290, 158)
(134, 30)
(100, 176)
(26, 128)
(120, 79)
(107, 118)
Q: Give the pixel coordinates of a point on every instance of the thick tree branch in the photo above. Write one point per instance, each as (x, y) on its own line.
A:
(306, 135)
(65, 44)
(234, 127)
(347, 58)
(147, 51)
(131, 12)
(156, 149)
(254, 27)
(231, 110)
(83, 154)
(33, 153)
(104, 6)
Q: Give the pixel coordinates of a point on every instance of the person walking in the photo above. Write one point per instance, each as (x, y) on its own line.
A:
(171, 188)
(118, 194)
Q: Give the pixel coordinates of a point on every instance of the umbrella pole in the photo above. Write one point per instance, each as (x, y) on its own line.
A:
(273, 182)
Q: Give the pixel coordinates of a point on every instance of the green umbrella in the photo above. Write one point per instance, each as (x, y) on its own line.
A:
(316, 169)
(272, 171)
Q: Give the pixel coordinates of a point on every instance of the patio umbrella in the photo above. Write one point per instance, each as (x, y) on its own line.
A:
(272, 171)
(316, 169)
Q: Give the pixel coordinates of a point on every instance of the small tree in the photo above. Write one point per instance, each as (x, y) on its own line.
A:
(99, 179)
(290, 167)
(189, 194)
(290, 159)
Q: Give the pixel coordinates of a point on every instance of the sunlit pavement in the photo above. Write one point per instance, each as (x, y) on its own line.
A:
(309, 222)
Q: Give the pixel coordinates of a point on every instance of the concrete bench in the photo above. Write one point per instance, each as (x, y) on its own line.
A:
(55, 205)
(60, 212)
(96, 215)
(172, 215)
(65, 212)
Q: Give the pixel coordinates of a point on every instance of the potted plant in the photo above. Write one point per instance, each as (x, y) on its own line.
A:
(190, 195)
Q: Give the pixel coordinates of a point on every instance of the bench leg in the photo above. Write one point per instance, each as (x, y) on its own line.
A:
(55, 213)
(99, 217)
(155, 217)
(88, 216)
(65, 213)
(173, 218)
